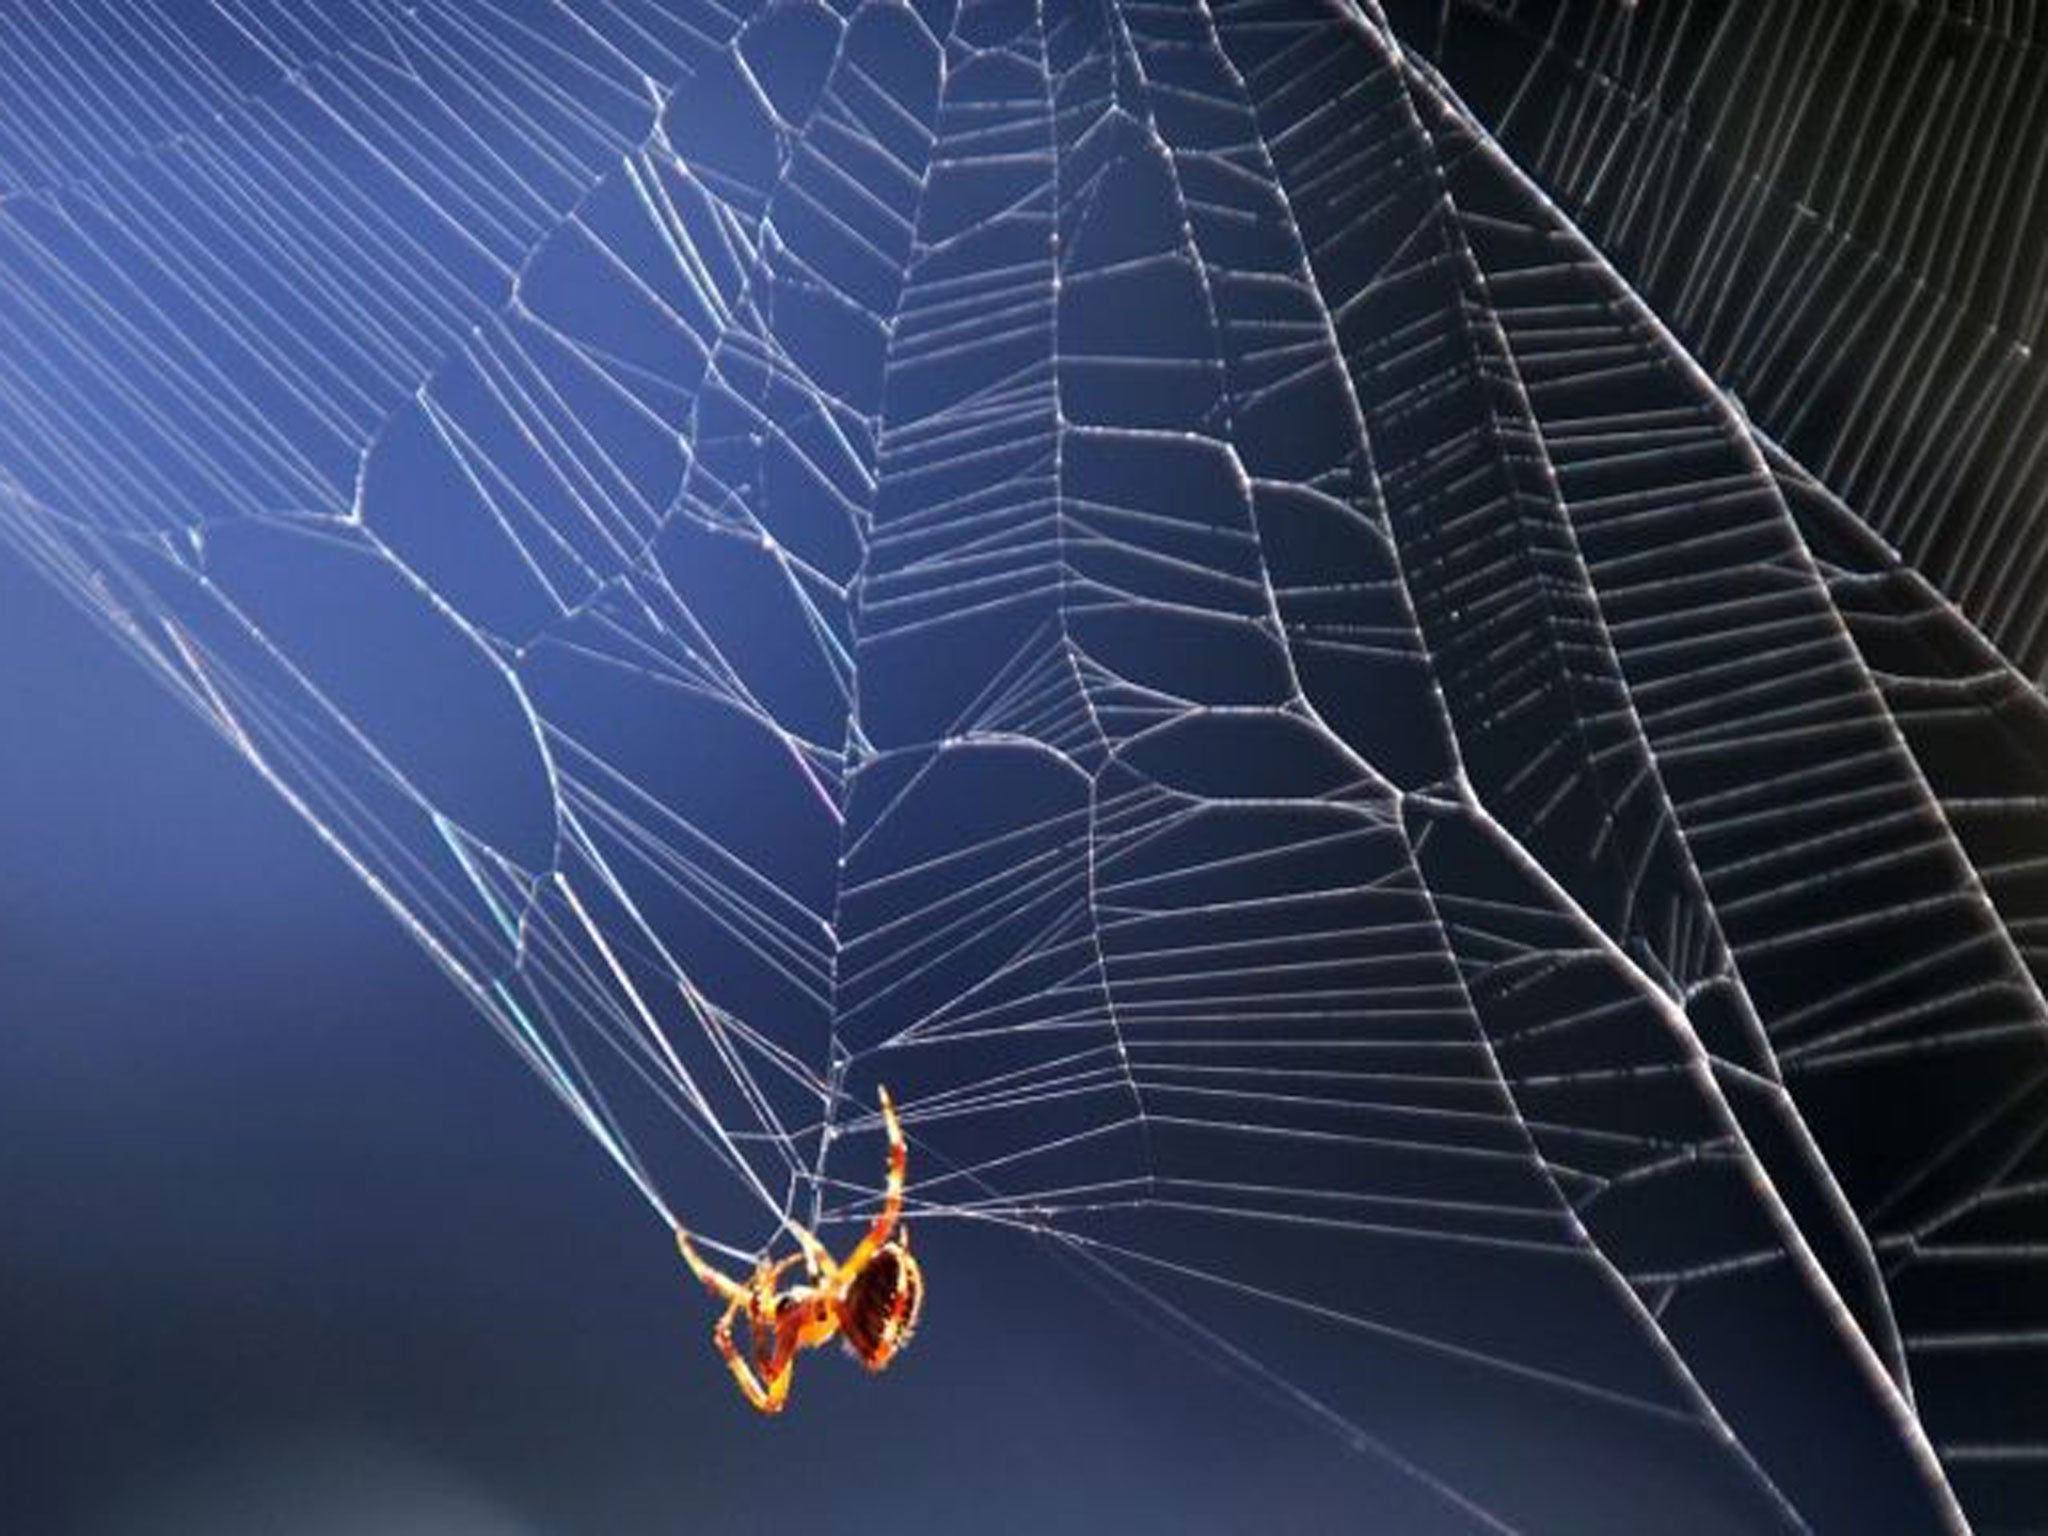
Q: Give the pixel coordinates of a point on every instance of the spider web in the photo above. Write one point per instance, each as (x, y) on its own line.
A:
(1123, 570)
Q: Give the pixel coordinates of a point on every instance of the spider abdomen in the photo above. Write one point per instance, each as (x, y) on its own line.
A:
(880, 1310)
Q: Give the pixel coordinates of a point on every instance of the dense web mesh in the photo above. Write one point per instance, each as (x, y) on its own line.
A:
(1123, 570)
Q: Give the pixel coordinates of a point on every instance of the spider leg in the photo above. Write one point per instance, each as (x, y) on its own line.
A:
(892, 1198)
(767, 1399)
(766, 1381)
(777, 1359)
(774, 1337)
(760, 1293)
(775, 1271)
(781, 1372)
(818, 1261)
(719, 1284)
(757, 1301)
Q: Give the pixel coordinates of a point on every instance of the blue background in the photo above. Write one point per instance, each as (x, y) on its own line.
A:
(294, 1244)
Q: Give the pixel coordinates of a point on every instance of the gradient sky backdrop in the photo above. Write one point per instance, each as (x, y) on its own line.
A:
(291, 1243)
(294, 1244)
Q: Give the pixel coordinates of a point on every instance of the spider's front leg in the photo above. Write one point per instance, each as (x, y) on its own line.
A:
(884, 1226)
(768, 1399)
(719, 1284)
(764, 1288)
(818, 1262)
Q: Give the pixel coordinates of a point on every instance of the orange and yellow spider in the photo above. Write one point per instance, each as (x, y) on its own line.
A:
(870, 1302)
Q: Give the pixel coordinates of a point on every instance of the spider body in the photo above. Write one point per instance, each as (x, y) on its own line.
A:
(870, 1302)
(881, 1306)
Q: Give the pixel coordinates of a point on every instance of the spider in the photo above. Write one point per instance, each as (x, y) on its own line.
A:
(870, 1302)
